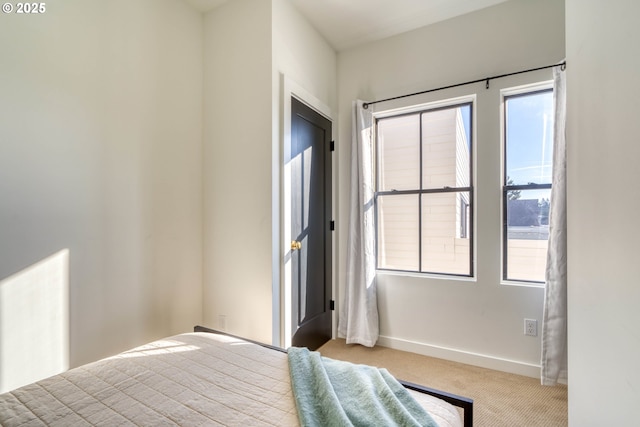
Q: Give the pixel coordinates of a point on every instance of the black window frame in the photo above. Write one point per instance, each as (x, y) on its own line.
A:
(506, 188)
(421, 192)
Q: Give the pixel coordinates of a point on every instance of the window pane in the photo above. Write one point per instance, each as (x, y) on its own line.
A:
(529, 138)
(446, 148)
(399, 153)
(527, 234)
(446, 230)
(398, 232)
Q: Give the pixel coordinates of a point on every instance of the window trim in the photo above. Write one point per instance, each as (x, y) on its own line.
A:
(514, 92)
(468, 100)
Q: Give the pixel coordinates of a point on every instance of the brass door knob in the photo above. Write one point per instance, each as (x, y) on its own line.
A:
(295, 245)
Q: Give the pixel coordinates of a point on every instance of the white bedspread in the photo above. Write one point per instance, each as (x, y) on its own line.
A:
(191, 379)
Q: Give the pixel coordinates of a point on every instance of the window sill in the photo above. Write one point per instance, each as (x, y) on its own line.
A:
(426, 276)
(522, 284)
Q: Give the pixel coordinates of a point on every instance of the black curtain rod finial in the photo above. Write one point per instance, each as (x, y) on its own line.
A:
(365, 106)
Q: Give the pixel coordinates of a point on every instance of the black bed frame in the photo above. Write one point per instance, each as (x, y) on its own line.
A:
(462, 402)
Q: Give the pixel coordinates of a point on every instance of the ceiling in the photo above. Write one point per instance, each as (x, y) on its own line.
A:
(348, 23)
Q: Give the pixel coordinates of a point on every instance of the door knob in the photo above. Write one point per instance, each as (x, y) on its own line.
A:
(295, 245)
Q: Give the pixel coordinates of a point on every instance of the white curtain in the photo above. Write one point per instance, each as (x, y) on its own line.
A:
(359, 309)
(554, 322)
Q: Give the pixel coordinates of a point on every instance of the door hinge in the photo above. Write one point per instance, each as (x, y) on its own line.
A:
(332, 305)
(332, 146)
(332, 225)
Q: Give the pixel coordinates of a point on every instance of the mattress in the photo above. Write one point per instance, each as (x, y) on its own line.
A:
(193, 379)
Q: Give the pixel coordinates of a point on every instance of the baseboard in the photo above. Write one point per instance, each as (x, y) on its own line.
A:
(475, 359)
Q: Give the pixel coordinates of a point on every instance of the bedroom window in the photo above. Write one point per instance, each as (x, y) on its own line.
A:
(424, 191)
(526, 189)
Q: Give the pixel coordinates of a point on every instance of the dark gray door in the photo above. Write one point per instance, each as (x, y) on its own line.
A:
(310, 226)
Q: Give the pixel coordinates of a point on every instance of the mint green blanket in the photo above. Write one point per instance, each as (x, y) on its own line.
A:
(334, 393)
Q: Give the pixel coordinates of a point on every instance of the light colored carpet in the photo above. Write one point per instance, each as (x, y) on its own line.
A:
(500, 399)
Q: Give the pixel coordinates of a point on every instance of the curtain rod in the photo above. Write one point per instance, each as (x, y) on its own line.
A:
(563, 66)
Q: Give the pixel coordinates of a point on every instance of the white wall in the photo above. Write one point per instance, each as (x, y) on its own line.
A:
(479, 321)
(302, 55)
(603, 187)
(237, 166)
(249, 44)
(100, 146)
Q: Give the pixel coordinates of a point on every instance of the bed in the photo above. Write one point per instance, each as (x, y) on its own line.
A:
(193, 379)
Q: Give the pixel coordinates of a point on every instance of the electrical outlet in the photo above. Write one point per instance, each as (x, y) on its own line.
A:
(531, 327)
(222, 322)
